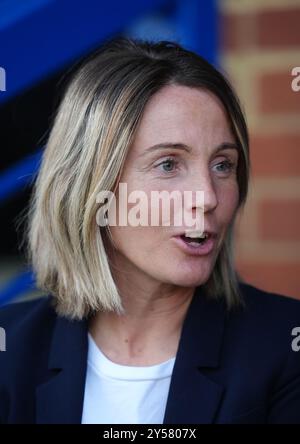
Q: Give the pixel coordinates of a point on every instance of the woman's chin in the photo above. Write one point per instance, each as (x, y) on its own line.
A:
(192, 279)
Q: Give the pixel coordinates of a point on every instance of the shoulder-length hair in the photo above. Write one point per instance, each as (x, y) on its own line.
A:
(93, 130)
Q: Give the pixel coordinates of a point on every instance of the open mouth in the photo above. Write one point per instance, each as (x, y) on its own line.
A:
(194, 241)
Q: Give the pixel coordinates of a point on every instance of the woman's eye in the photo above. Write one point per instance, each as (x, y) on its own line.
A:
(168, 165)
(225, 166)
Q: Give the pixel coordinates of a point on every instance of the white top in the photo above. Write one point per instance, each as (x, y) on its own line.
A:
(121, 394)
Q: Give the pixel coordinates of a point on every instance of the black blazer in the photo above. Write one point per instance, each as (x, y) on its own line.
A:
(230, 367)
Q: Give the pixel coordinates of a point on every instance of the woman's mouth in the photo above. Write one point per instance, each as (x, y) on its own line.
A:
(196, 246)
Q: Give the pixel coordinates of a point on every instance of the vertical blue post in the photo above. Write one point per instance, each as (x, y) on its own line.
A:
(197, 24)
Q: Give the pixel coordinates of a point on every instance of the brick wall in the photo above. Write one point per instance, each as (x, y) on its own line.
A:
(260, 46)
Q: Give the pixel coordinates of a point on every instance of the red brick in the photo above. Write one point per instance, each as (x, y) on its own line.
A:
(237, 31)
(275, 93)
(279, 220)
(265, 29)
(273, 155)
(278, 28)
(228, 32)
(276, 278)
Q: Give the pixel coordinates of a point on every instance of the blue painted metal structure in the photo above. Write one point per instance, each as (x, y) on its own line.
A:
(42, 36)
(16, 178)
(23, 282)
(63, 30)
(197, 27)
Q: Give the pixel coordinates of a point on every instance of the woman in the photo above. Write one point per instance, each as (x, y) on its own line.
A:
(146, 323)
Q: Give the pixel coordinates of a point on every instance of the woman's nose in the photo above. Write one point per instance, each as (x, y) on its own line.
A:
(203, 186)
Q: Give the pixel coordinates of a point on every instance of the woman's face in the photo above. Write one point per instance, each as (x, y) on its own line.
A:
(205, 159)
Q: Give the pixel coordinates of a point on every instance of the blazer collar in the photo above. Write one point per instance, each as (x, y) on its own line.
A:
(193, 395)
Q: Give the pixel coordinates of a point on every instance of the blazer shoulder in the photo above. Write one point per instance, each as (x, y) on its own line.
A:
(28, 329)
(26, 324)
(270, 306)
(19, 314)
(254, 294)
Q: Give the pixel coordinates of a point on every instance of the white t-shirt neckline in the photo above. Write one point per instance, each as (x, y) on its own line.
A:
(105, 367)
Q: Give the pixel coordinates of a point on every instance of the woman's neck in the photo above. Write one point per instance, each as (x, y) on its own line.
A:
(149, 331)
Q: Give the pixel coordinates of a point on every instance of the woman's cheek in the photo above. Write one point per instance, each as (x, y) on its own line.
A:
(231, 203)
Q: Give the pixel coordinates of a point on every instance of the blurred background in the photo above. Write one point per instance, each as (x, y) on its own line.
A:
(255, 43)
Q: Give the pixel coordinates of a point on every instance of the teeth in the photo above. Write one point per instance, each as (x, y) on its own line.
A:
(195, 234)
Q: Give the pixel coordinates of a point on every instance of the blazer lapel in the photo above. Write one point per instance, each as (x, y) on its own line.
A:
(60, 400)
(194, 396)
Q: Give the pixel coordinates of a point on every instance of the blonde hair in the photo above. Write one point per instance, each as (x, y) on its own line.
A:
(86, 150)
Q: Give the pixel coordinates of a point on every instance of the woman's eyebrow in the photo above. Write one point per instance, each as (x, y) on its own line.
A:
(184, 147)
(226, 145)
(166, 145)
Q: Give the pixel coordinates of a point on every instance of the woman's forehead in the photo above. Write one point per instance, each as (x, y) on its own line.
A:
(173, 99)
(182, 114)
